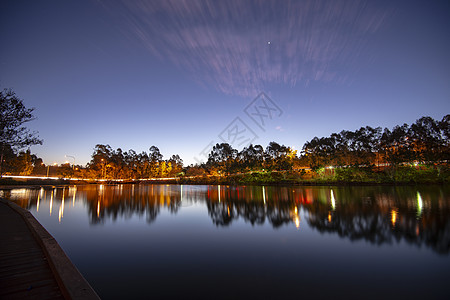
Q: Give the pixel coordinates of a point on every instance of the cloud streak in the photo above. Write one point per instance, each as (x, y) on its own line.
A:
(224, 44)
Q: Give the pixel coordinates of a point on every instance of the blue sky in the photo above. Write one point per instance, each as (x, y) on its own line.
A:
(175, 74)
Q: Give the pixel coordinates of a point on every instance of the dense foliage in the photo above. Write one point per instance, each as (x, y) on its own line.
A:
(406, 153)
(14, 135)
(108, 163)
(424, 142)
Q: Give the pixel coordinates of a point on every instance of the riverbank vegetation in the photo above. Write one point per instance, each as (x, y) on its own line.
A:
(416, 153)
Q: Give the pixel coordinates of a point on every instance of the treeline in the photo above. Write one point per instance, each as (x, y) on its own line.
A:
(106, 163)
(20, 163)
(115, 164)
(223, 159)
(424, 144)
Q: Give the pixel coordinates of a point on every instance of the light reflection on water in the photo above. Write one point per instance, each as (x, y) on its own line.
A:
(280, 238)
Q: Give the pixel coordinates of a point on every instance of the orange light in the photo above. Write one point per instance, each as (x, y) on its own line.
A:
(393, 217)
(51, 202)
(62, 205)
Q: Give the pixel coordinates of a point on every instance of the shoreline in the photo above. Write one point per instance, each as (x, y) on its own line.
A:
(209, 181)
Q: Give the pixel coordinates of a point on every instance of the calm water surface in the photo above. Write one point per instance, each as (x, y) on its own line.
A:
(167, 241)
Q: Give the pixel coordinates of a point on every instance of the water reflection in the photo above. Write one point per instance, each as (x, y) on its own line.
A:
(380, 215)
(61, 208)
(387, 215)
(51, 202)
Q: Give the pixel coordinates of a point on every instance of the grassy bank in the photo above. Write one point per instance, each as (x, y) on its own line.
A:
(337, 176)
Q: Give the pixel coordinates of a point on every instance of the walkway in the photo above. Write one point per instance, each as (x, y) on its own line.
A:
(32, 265)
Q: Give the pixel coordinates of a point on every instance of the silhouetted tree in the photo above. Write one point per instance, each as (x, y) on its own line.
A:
(155, 160)
(251, 158)
(222, 157)
(13, 116)
(425, 141)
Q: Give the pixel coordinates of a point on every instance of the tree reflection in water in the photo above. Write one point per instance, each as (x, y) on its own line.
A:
(417, 215)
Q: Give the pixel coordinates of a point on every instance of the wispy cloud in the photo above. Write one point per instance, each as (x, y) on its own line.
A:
(225, 44)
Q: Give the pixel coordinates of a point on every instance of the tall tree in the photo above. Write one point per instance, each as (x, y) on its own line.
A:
(13, 116)
(222, 156)
(251, 157)
(100, 160)
(23, 164)
(320, 151)
(155, 159)
(426, 139)
(279, 157)
(396, 145)
(176, 164)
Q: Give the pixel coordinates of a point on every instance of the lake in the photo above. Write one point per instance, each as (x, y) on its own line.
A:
(226, 242)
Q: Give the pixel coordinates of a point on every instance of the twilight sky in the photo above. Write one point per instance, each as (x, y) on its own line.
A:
(184, 74)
